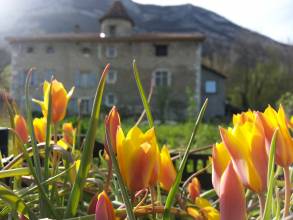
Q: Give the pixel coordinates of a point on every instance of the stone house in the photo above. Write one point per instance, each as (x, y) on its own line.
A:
(171, 62)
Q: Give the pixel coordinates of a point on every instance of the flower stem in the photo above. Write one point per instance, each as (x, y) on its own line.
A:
(262, 202)
(287, 191)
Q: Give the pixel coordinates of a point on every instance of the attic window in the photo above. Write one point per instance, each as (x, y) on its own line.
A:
(161, 50)
(112, 30)
(30, 50)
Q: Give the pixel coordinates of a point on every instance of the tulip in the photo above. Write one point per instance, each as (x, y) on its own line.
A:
(104, 208)
(206, 209)
(193, 188)
(60, 99)
(227, 184)
(21, 128)
(243, 117)
(112, 122)
(220, 161)
(284, 144)
(232, 196)
(167, 174)
(40, 126)
(246, 146)
(68, 133)
(138, 158)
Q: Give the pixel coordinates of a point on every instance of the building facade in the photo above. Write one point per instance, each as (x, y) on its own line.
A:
(170, 62)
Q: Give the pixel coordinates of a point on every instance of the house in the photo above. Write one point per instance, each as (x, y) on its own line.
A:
(171, 62)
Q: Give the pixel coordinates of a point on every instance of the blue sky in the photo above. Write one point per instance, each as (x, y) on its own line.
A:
(273, 18)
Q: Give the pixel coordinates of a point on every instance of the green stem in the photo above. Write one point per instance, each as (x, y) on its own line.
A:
(287, 191)
(262, 202)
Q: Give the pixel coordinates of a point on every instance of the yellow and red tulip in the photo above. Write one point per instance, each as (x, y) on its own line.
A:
(40, 127)
(232, 196)
(68, 132)
(284, 144)
(138, 158)
(220, 161)
(194, 188)
(243, 117)
(21, 128)
(112, 122)
(227, 185)
(167, 174)
(204, 210)
(246, 146)
(60, 99)
(104, 209)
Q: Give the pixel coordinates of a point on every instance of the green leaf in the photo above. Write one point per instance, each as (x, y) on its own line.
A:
(88, 147)
(270, 179)
(175, 186)
(15, 172)
(15, 202)
(142, 95)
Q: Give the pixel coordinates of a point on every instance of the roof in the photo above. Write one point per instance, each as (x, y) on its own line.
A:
(117, 10)
(95, 37)
(204, 66)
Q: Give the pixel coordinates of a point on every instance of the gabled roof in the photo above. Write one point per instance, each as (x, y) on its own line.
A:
(117, 10)
(210, 69)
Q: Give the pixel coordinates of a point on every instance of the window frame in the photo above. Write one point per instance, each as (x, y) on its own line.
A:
(115, 76)
(80, 101)
(161, 52)
(209, 90)
(161, 70)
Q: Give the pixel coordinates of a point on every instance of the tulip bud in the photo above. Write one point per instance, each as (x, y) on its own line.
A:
(104, 208)
(68, 133)
(194, 188)
(60, 99)
(21, 128)
(40, 127)
(112, 122)
(167, 174)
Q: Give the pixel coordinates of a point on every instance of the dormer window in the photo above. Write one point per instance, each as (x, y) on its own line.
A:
(112, 30)
(161, 50)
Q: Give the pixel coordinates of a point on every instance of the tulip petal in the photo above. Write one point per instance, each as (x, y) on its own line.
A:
(167, 169)
(232, 197)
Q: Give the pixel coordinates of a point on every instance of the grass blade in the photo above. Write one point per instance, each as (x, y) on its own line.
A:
(37, 174)
(86, 158)
(142, 95)
(270, 179)
(175, 186)
(15, 202)
(24, 171)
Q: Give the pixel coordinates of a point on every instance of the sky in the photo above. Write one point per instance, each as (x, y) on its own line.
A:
(273, 18)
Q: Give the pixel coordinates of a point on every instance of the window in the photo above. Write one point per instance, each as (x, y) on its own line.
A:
(85, 79)
(162, 78)
(30, 49)
(112, 30)
(112, 77)
(111, 52)
(161, 50)
(50, 50)
(210, 86)
(86, 51)
(84, 106)
(110, 99)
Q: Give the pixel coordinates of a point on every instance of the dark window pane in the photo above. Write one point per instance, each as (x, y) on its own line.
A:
(161, 50)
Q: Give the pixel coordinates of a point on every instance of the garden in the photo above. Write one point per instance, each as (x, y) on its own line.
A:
(139, 171)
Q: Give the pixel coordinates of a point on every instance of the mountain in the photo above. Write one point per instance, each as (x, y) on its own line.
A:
(220, 49)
